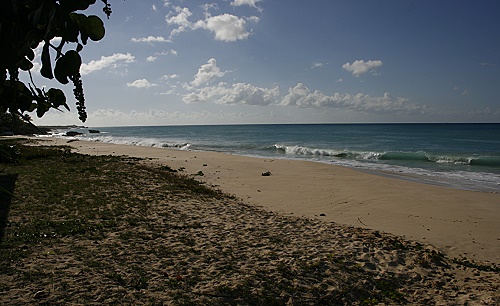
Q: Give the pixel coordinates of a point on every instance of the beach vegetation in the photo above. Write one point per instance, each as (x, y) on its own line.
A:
(468, 263)
(167, 168)
(26, 25)
(389, 290)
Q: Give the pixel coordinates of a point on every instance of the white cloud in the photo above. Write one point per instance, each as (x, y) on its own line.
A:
(253, 18)
(239, 93)
(316, 65)
(150, 39)
(360, 67)
(151, 58)
(107, 61)
(180, 20)
(166, 93)
(301, 96)
(165, 52)
(170, 76)
(226, 27)
(207, 73)
(142, 83)
(210, 6)
(252, 3)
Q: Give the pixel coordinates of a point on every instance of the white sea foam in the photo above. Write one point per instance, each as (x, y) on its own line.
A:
(145, 142)
(465, 180)
(377, 162)
(134, 141)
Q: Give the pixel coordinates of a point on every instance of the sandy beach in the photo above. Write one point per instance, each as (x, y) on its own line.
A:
(457, 222)
(129, 231)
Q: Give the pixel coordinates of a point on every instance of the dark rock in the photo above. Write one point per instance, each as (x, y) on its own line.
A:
(73, 133)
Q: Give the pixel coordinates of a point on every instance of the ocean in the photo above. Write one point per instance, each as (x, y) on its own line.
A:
(462, 156)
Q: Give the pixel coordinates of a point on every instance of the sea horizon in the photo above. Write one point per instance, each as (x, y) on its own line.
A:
(64, 126)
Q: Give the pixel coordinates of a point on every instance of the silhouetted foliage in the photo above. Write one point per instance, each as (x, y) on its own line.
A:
(24, 24)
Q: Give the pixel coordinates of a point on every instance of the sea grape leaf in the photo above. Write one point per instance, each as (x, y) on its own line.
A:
(30, 54)
(78, 19)
(89, 27)
(46, 70)
(84, 37)
(57, 98)
(41, 109)
(24, 97)
(25, 64)
(24, 102)
(32, 107)
(60, 70)
(72, 63)
(67, 65)
(70, 31)
(94, 28)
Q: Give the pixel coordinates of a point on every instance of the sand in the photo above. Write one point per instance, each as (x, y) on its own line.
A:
(457, 222)
(287, 241)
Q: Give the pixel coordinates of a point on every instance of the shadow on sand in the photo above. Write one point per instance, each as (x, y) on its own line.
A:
(7, 183)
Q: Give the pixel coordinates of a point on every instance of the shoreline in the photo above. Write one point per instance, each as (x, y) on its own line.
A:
(457, 222)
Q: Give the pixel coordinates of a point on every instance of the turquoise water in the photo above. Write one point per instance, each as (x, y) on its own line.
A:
(464, 156)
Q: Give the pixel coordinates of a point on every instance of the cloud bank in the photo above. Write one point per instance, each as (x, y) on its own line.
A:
(301, 96)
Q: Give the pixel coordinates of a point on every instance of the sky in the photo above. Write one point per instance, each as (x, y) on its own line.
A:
(177, 62)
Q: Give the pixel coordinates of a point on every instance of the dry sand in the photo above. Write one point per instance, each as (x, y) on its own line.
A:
(182, 249)
(457, 222)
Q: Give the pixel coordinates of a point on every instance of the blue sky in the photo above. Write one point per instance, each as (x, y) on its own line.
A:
(290, 61)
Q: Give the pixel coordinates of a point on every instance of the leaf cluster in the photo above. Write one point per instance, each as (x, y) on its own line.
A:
(24, 25)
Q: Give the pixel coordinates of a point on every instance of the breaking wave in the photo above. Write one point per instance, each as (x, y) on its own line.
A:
(145, 142)
(490, 161)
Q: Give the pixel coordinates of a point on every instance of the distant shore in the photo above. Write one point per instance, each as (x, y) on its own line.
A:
(458, 222)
